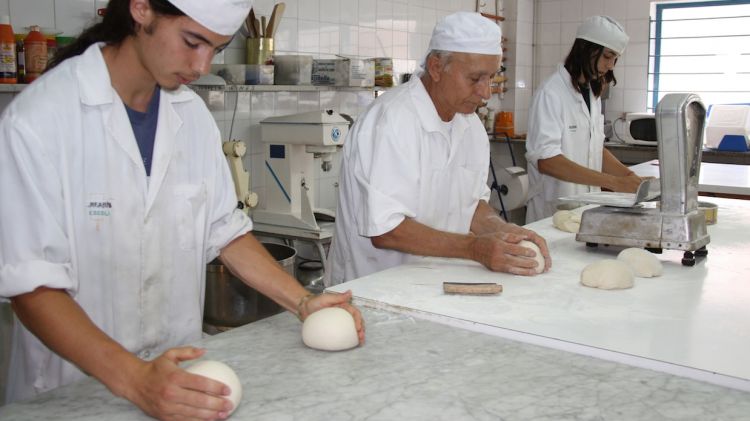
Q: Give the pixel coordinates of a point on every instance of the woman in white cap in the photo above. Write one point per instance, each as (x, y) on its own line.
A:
(414, 169)
(115, 195)
(565, 147)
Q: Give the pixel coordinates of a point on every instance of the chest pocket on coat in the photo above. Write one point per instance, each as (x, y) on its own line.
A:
(189, 202)
(453, 194)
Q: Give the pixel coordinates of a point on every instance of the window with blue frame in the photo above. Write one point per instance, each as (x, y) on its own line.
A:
(701, 47)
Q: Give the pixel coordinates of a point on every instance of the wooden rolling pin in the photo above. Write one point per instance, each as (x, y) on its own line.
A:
(463, 288)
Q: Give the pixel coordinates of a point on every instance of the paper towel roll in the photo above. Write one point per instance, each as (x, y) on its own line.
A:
(516, 182)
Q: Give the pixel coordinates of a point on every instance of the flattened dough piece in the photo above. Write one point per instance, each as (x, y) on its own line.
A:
(330, 329)
(539, 257)
(566, 220)
(643, 263)
(607, 274)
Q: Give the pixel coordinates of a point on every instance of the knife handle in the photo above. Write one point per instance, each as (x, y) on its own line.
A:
(467, 288)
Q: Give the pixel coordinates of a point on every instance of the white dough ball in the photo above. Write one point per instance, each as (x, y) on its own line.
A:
(221, 372)
(330, 329)
(607, 274)
(539, 257)
(566, 220)
(643, 263)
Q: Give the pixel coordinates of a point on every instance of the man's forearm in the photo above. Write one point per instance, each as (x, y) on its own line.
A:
(416, 238)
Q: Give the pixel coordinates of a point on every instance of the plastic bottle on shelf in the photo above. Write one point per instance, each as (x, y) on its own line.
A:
(35, 49)
(504, 123)
(8, 68)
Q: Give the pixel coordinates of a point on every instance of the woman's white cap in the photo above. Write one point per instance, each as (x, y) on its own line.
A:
(466, 32)
(221, 16)
(605, 31)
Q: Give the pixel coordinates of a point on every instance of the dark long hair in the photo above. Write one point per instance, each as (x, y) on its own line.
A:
(116, 25)
(582, 60)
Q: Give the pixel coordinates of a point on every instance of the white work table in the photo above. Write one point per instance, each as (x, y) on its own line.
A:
(692, 321)
(731, 179)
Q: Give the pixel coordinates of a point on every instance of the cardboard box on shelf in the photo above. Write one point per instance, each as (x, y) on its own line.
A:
(344, 72)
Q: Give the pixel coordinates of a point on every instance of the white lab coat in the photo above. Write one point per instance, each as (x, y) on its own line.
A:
(560, 123)
(399, 161)
(78, 213)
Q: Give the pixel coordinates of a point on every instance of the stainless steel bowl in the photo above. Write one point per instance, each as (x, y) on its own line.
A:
(231, 303)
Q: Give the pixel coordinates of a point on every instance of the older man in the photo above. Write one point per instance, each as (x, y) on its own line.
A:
(414, 171)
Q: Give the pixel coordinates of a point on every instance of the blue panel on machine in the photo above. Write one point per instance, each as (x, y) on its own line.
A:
(277, 151)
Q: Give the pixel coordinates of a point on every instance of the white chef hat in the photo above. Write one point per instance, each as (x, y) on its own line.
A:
(466, 32)
(221, 16)
(605, 31)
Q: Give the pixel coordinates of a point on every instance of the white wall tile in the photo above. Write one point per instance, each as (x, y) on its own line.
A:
(308, 36)
(618, 9)
(286, 36)
(329, 38)
(308, 101)
(349, 40)
(549, 11)
(568, 32)
(309, 10)
(592, 7)
(427, 20)
(636, 54)
(400, 45)
(367, 12)
(384, 47)
(24, 13)
(634, 101)
(549, 33)
(384, 14)
(639, 9)
(367, 42)
(349, 12)
(637, 30)
(72, 16)
(400, 16)
(330, 10)
(570, 11)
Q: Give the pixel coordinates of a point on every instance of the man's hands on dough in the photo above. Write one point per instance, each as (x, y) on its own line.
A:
(499, 251)
(338, 300)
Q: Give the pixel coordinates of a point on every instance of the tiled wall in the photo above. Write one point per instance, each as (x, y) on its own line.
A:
(556, 22)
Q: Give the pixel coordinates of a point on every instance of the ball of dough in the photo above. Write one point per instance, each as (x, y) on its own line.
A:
(566, 220)
(607, 274)
(539, 257)
(221, 372)
(330, 329)
(643, 263)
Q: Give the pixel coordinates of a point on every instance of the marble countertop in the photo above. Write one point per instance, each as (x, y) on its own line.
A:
(414, 369)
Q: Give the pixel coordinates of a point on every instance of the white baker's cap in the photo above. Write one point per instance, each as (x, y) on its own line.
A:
(466, 32)
(221, 16)
(605, 31)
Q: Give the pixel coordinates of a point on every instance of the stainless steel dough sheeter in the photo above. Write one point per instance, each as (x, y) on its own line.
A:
(674, 222)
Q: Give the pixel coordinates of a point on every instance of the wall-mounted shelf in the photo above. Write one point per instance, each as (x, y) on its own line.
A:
(283, 88)
(12, 87)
